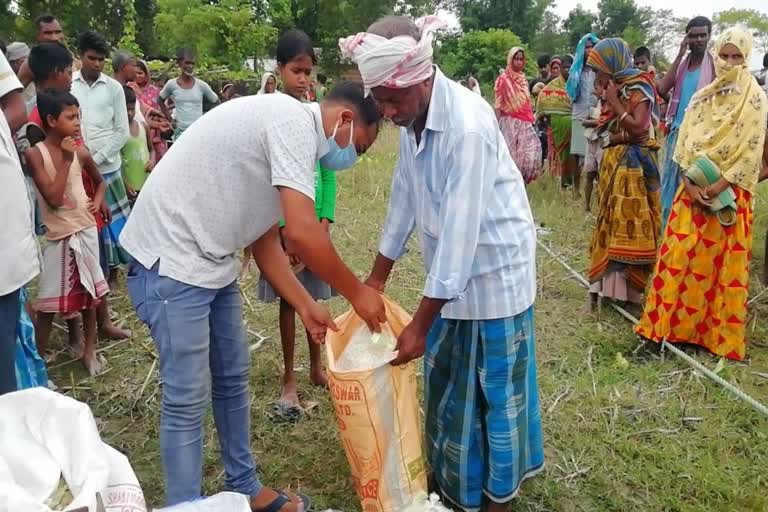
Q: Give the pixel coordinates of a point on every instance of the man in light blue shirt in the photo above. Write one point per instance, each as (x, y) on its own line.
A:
(457, 186)
(105, 132)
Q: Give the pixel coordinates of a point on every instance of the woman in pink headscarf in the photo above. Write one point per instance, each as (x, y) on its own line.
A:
(514, 110)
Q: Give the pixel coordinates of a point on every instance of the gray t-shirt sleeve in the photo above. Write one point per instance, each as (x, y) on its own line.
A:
(291, 142)
(167, 90)
(208, 93)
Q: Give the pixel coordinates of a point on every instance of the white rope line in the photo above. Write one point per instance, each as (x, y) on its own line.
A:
(738, 392)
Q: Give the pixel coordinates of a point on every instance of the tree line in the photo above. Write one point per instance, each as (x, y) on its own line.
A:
(230, 32)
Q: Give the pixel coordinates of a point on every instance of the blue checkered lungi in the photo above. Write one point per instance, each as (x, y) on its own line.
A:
(483, 423)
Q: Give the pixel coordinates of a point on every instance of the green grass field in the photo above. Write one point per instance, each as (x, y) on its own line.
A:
(649, 437)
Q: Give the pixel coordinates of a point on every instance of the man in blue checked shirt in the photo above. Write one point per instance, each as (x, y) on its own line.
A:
(457, 186)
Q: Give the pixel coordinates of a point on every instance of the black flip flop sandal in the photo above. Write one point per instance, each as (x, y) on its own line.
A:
(282, 500)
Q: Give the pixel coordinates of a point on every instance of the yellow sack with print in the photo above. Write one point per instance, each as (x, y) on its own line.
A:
(377, 411)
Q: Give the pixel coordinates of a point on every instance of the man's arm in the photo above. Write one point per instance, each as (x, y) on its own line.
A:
(273, 263)
(119, 124)
(292, 142)
(208, 93)
(472, 170)
(666, 84)
(164, 94)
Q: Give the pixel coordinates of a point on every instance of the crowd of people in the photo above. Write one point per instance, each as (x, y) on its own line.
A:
(93, 164)
(673, 237)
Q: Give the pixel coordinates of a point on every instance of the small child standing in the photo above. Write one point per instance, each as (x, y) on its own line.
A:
(137, 154)
(72, 280)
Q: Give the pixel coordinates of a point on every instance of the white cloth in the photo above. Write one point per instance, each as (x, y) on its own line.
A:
(104, 119)
(214, 193)
(395, 63)
(8, 80)
(463, 194)
(45, 436)
(19, 252)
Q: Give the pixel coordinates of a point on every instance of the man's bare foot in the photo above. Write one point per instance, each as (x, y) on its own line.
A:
(95, 363)
(111, 331)
(289, 396)
(318, 377)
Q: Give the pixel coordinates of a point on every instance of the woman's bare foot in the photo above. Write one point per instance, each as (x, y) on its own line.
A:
(94, 363)
(111, 331)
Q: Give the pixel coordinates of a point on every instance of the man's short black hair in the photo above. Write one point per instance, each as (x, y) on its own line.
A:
(130, 95)
(643, 51)
(699, 21)
(292, 44)
(566, 61)
(46, 59)
(92, 40)
(322, 78)
(543, 61)
(353, 94)
(43, 19)
(52, 103)
(185, 54)
(765, 60)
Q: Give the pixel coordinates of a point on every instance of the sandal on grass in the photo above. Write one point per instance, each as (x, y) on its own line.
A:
(282, 500)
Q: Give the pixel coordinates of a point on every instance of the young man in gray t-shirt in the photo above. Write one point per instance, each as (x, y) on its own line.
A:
(187, 93)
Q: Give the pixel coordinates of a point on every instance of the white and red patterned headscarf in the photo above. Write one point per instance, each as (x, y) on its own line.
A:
(395, 63)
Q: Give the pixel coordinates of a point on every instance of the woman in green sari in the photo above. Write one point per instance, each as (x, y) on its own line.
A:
(555, 104)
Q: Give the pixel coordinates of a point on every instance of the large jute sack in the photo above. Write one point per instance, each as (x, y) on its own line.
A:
(377, 412)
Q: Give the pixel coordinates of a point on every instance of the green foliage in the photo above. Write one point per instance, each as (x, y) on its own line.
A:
(550, 39)
(128, 40)
(579, 22)
(755, 20)
(224, 33)
(480, 53)
(519, 16)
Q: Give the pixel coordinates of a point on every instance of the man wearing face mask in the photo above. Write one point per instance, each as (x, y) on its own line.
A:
(456, 184)
(222, 187)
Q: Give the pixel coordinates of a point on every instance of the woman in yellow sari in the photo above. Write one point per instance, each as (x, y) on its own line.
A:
(699, 290)
(554, 104)
(623, 248)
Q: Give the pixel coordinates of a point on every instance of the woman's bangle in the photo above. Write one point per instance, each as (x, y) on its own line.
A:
(623, 117)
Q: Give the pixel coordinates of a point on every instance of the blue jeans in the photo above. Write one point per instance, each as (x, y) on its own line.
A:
(9, 319)
(203, 353)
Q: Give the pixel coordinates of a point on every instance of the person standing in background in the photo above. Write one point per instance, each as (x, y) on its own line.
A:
(687, 75)
(625, 240)
(17, 54)
(701, 281)
(580, 86)
(20, 257)
(642, 58)
(268, 84)
(148, 95)
(105, 132)
(514, 110)
(321, 87)
(187, 93)
(553, 109)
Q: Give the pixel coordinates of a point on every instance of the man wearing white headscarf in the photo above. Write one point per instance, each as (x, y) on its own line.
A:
(456, 184)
